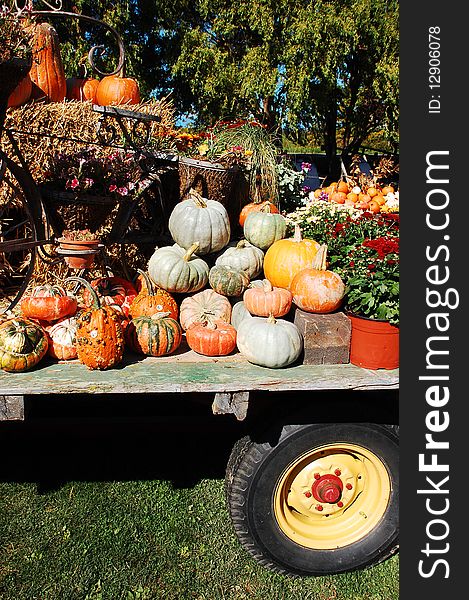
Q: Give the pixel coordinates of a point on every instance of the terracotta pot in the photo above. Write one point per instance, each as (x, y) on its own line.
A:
(374, 344)
(79, 254)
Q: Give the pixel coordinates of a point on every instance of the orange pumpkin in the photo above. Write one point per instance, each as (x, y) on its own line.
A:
(342, 186)
(211, 338)
(316, 289)
(151, 300)
(374, 206)
(48, 303)
(286, 257)
(255, 206)
(47, 71)
(22, 92)
(267, 300)
(82, 89)
(338, 197)
(114, 90)
(387, 189)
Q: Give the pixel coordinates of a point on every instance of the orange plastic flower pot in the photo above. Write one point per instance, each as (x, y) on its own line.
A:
(374, 344)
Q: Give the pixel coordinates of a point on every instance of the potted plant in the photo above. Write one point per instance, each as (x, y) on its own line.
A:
(85, 187)
(234, 162)
(79, 247)
(372, 303)
(364, 251)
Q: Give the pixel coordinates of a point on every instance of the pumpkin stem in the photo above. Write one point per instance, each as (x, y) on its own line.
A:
(198, 199)
(320, 260)
(148, 282)
(267, 285)
(94, 296)
(297, 237)
(271, 319)
(266, 207)
(242, 244)
(188, 255)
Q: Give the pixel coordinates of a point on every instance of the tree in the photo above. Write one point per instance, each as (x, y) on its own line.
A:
(319, 66)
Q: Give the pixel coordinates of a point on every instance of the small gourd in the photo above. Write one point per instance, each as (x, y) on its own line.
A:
(62, 339)
(228, 281)
(155, 335)
(100, 334)
(23, 344)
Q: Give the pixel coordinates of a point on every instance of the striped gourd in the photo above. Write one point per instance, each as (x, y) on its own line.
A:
(154, 336)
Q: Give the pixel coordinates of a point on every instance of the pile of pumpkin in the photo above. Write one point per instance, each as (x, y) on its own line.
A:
(221, 307)
(47, 79)
(373, 198)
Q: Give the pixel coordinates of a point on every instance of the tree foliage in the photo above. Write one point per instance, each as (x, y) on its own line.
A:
(317, 66)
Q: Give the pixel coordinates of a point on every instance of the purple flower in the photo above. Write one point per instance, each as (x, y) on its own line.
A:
(305, 166)
(123, 191)
(112, 188)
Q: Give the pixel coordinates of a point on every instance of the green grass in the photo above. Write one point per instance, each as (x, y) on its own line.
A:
(89, 514)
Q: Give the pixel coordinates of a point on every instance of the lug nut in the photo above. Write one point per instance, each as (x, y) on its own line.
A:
(337, 472)
(308, 494)
(340, 504)
(317, 476)
(348, 486)
(318, 507)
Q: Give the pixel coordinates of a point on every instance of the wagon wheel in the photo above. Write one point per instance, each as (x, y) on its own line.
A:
(20, 223)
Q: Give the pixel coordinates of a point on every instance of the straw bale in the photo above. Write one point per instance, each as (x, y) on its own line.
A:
(45, 129)
(42, 130)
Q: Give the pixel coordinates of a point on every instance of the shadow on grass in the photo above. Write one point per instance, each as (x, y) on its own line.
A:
(116, 439)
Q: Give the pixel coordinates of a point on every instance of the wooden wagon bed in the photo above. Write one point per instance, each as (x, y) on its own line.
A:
(229, 378)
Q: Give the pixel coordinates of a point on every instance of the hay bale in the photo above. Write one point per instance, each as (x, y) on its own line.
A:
(42, 130)
(45, 129)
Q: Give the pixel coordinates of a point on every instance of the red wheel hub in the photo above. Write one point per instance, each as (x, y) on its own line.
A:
(327, 488)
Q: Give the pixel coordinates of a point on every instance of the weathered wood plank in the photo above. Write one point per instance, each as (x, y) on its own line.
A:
(11, 408)
(189, 372)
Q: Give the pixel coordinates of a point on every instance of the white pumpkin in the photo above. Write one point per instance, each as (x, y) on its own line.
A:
(178, 270)
(242, 256)
(62, 339)
(202, 221)
(239, 312)
(205, 305)
(272, 343)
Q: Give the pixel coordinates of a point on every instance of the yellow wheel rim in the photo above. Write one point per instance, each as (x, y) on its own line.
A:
(332, 496)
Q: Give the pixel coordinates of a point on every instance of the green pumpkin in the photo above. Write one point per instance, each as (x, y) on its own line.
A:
(178, 270)
(242, 256)
(202, 221)
(228, 281)
(22, 344)
(263, 228)
(157, 335)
